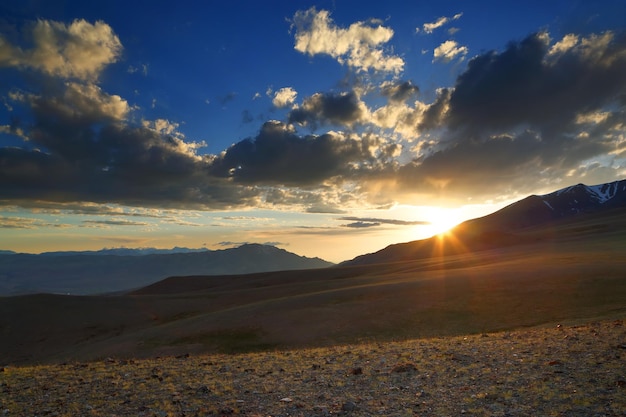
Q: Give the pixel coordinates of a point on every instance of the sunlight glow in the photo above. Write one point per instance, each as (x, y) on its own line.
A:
(442, 220)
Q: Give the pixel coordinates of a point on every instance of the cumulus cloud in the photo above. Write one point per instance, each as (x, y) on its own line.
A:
(284, 97)
(81, 146)
(340, 109)
(359, 46)
(399, 91)
(525, 116)
(78, 50)
(448, 51)
(526, 84)
(279, 156)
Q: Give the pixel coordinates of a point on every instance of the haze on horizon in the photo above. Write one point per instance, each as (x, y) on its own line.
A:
(330, 129)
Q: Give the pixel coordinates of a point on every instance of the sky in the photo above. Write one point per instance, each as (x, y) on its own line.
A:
(327, 128)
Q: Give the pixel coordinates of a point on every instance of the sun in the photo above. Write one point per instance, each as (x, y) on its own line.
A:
(442, 220)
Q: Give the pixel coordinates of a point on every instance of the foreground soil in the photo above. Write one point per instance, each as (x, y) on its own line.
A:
(551, 371)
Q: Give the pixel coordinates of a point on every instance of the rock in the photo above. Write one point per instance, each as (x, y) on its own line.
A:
(356, 371)
(286, 400)
(348, 406)
(404, 367)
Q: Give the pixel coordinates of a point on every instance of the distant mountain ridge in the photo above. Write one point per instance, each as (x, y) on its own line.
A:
(502, 227)
(124, 251)
(104, 272)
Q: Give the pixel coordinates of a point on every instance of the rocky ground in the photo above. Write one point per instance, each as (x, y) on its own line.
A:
(552, 371)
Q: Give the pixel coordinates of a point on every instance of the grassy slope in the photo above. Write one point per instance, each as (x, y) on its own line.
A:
(573, 272)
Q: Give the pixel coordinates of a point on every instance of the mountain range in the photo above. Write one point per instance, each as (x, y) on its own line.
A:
(107, 271)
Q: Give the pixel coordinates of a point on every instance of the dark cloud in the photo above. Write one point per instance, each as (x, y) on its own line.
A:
(361, 224)
(339, 109)
(114, 223)
(80, 149)
(528, 83)
(399, 92)
(395, 222)
(435, 113)
(246, 117)
(279, 156)
(227, 98)
(324, 209)
(529, 115)
(227, 243)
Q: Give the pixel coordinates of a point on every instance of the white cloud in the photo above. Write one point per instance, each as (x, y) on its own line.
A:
(358, 46)
(284, 97)
(449, 50)
(80, 50)
(430, 27)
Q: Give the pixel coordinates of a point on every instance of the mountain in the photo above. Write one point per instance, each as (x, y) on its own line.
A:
(94, 273)
(524, 221)
(124, 251)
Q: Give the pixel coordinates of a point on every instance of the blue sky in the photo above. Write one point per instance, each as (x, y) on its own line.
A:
(329, 128)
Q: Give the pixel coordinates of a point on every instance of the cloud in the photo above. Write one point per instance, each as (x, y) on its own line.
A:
(279, 156)
(114, 222)
(227, 98)
(359, 46)
(531, 83)
(76, 101)
(143, 69)
(430, 27)
(344, 109)
(399, 91)
(448, 51)
(361, 224)
(377, 221)
(284, 97)
(28, 223)
(78, 50)
(82, 147)
(528, 115)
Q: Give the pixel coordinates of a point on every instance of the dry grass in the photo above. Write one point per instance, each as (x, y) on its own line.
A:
(555, 371)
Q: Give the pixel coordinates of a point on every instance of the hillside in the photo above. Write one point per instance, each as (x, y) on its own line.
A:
(532, 219)
(85, 273)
